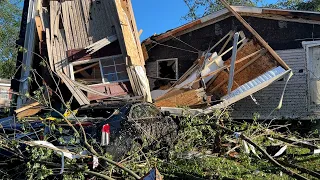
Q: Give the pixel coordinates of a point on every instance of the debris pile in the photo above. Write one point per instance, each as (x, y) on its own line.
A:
(214, 83)
(96, 58)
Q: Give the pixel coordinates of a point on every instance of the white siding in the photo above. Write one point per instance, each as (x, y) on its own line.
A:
(295, 98)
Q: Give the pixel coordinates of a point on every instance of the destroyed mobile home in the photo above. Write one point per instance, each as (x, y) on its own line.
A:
(78, 60)
(95, 58)
(196, 64)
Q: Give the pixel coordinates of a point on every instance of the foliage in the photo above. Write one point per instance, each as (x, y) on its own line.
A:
(309, 5)
(200, 8)
(10, 15)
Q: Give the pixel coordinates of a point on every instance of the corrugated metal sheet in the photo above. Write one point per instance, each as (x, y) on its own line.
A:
(252, 86)
(295, 98)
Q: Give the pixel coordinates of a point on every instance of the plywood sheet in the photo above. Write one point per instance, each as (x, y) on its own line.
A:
(186, 98)
(260, 66)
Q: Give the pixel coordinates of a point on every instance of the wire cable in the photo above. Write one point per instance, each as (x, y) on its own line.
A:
(185, 43)
(175, 47)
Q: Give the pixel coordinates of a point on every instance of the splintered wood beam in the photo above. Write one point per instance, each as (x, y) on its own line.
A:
(224, 53)
(241, 69)
(85, 68)
(100, 44)
(254, 33)
(224, 37)
(83, 73)
(140, 32)
(226, 43)
(39, 27)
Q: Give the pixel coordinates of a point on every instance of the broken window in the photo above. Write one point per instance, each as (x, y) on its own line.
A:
(101, 70)
(88, 73)
(114, 69)
(167, 68)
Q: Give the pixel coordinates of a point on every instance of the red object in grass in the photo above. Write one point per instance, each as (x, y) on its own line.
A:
(105, 135)
(106, 128)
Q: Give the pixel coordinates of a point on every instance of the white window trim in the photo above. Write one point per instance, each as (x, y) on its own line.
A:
(169, 59)
(101, 69)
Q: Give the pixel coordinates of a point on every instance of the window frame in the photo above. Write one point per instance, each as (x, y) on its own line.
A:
(169, 59)
(76, 63)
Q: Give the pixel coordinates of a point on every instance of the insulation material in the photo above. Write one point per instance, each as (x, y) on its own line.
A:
(218, 63)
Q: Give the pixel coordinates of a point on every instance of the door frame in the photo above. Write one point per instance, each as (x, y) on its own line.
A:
(307, 45)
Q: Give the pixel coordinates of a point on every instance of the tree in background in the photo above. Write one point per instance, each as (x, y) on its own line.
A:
(200, 8)
(309, 5)
(10, 15)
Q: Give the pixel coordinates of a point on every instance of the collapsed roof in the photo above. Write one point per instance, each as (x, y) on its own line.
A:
(211, 81)
(92, 46)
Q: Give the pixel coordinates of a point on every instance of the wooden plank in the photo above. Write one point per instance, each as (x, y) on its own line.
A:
(82, 26)
(224, 37)
(254, 33)
(128, 36)
(186, 98)
(49, 48)
(136, 33)
(29, 112)
(140, 32)
(100, 44)
(63, 51)
(86, 17)
(83, 73)
(66, 24)
(27, 107)
(90, 90)
(226, 43)
(85, 68)
(73, 25)
(239, 70)
(39, 27)
(76, 92)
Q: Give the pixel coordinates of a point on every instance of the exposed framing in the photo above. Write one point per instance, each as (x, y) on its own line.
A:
(169, 59)
(71, 66)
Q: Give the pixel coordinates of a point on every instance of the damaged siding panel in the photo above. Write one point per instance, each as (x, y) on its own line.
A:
(295, 98)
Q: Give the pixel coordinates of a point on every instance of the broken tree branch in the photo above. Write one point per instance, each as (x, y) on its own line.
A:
(302, 169)
(294, 142)
(269, 157)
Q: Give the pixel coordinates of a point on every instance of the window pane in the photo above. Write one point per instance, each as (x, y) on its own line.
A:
(119, 60)
(108, 70)
(107, 62)
(121, 68)
(167, 69)
(122, 76)
(110, 77)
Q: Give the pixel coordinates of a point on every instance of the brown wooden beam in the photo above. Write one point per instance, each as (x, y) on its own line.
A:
(254, 33)
(87, 67)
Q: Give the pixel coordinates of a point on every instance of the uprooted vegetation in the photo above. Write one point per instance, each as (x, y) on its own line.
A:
(205, 147)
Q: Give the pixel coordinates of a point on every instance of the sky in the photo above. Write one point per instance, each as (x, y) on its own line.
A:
(158, 16)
